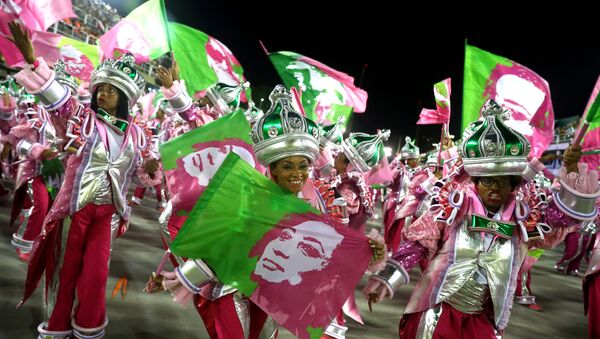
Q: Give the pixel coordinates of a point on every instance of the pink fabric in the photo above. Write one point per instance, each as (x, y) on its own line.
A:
(126, 36)
(37, 150)
(535, 120)
(409, 254)
(44, 43)
(452, 324)
(84, 270)
(36, 80)
(140, 190)
(356, 97)
(41, 206)
(441, 115)
(221, 320)
(425, 231)
(176, 89)
(146, 179)
(36, 14)
(591, 292)
(380, 174)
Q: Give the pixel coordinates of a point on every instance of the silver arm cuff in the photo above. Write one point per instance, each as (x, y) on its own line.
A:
(24, 148)
(580, 206)
(54, 96)
(194, 274)
(181, 102)
(529, 173)
(393, 276)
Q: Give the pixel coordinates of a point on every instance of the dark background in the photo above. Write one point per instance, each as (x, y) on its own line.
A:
(396, 54)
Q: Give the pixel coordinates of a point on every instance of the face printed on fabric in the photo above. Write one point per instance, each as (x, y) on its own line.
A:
(494, 191)
(107, 98)
(303, 248)
(205, 163)
(291, 173)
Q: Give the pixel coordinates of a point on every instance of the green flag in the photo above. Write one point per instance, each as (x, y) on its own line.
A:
(202, 59)
(273, 247)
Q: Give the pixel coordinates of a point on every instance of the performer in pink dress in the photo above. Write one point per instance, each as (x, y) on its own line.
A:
(478, 231)
(90, 210)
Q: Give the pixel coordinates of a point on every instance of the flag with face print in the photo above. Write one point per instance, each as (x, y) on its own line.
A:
(190, 160)
(296, 264)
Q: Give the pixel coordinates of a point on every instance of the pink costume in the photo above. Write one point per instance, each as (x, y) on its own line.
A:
(32, 137)
(90, 210)
(591, 284)
(475, 254)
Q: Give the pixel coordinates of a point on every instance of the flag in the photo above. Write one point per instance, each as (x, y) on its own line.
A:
(441, 115)
(80, 58)
(190, 160)
(297, 265)
(142, 33)
(37, 15)
(513, 86)
(591, 140)
(203, 60)
(326, 93)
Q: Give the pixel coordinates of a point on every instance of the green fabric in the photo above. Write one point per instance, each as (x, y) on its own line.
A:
(480, 223)
(237, 208)
(150, 18)
(536, 253)
(52, 171)
(312, 83)
(189, 49)
(230, 126)
(479, 65)
(92, 52)
(118, 124)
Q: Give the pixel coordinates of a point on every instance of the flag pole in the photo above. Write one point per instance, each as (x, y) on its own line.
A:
(263, 47)
(590, 115)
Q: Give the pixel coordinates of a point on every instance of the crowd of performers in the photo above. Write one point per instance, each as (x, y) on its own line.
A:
(474, 217)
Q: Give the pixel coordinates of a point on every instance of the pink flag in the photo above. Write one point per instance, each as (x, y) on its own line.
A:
(44, 44)
(441, 115)
(79, 58)
(591, 140)
(147, 105)
(380, 174)
(142, 33)
(35, 14)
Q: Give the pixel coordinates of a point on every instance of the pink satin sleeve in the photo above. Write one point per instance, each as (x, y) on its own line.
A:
(409, 254)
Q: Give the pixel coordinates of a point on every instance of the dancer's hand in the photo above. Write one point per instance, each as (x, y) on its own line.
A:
(20, 37)
(571, 157)
(155, 283)
(49, 154)
(165, 76)
(378, 250)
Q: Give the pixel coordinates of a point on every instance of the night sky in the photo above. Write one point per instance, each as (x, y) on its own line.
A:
(399, 84)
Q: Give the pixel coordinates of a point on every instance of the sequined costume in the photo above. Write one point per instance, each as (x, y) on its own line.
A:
(90, 210)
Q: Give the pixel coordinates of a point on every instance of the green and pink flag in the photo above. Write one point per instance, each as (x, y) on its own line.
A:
(513, 86)
(591, 139)
(143, 33)
(192, 159)
(80, 58)
(440, 115)
(296, 264)
(203, 60)
(326, 94)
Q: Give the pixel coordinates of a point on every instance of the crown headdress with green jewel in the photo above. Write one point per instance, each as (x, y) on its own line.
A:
(121, 74)
(282, 132)
(490, 148)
